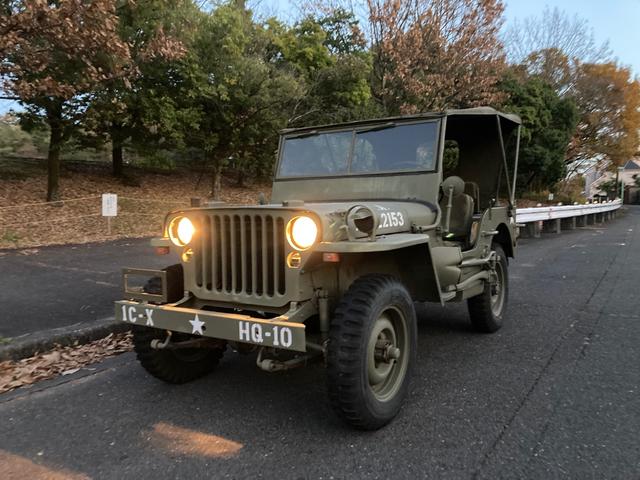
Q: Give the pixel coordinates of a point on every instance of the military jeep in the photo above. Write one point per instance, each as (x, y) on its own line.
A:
(365, 219)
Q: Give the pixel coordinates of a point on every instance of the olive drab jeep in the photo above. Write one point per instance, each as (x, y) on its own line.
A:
(365, 219)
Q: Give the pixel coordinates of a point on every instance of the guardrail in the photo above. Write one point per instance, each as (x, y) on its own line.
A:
(556, 217)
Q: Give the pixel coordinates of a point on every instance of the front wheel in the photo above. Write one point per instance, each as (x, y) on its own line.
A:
(372, 348)
(488, 309)
(173, 366)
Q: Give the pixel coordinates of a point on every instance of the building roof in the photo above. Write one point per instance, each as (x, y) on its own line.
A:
(631, 165)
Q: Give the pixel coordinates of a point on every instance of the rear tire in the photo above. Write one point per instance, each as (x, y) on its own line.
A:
(171, 366)
(487, 310)
(372, 349)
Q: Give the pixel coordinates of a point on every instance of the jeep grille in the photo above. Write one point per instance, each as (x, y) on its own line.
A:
(240, 254)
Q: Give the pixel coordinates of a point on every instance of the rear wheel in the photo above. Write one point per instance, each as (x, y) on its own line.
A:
(372, 348)
(172, 365)
(488, 309)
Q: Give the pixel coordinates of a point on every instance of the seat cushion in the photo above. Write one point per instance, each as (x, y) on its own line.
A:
(461, 214)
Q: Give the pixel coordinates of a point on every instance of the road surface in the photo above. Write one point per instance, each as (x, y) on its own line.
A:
(554, 394)
(50, 287)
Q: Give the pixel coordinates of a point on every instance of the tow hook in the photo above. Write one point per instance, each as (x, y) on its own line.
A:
(158, 345)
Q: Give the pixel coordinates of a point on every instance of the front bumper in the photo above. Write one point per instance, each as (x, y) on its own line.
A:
(285, 331)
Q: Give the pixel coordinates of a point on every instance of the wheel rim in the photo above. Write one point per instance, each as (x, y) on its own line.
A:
(498, 291)
(387, 354)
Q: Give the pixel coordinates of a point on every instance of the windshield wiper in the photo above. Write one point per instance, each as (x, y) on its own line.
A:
(377, 127)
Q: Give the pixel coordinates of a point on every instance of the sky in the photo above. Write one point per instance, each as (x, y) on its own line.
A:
(616, 21)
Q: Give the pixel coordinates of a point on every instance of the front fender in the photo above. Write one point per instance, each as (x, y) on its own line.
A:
(382, 244)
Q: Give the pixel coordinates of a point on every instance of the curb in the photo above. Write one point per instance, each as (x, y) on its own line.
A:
(77, 334)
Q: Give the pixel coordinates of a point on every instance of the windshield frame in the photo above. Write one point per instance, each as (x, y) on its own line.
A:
(355, 129)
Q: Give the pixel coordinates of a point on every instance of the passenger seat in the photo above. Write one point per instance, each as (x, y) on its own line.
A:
(461, 215)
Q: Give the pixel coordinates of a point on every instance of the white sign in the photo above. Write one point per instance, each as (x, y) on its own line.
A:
(551, 196)
(109, 205)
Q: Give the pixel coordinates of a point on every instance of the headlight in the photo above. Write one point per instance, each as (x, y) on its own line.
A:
(302, 232)
(181, 231)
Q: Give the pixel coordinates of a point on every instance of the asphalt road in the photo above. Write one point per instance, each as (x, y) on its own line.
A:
(554, 394)
(50, 287)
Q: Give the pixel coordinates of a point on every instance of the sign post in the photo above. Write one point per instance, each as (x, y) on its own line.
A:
(109, 208)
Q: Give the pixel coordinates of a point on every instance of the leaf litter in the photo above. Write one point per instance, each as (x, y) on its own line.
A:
(61, 361)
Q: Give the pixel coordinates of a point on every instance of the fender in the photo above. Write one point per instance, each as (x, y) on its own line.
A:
(427, 266)
(382, 244)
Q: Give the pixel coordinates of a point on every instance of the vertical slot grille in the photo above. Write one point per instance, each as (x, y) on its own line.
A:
(241, 254)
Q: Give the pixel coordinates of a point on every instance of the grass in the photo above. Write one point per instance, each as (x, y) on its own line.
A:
(10, 237)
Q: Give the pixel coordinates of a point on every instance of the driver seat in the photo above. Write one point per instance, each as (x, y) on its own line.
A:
(461, 216)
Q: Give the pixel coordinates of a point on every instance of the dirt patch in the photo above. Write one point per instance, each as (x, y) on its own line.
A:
(27, 221)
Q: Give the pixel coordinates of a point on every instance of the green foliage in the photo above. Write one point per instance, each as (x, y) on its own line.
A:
(331, 63)
(12, 138)
(450, 158)
(548, 124)
(9, 236)
(611, 187)
(239, 98)
(146, 111)
(566, 198)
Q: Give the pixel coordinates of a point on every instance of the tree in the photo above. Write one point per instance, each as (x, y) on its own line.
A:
(608, 98)
(433, 55)
(57, 53)
(146, 104)
(611, 187)
(548, 124)
(562, 51)
(554, 31)
(241, 97)
(328, 54)
(12, 137)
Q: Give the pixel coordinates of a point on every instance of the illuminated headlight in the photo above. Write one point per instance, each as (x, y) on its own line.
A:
(302, 232)
(181, 231)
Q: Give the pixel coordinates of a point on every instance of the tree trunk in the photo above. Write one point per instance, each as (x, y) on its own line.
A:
(53, 159)
(240, 177)
(216, 180)
(118, 135)
(117, 159)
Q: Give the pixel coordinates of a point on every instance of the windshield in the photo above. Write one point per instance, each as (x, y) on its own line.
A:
(384, 148)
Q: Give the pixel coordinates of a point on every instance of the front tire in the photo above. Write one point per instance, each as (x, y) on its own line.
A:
(487, 310)
(173, 366)
(372, 349)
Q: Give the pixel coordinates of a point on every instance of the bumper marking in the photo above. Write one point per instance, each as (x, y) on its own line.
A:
(277, 332)
(197, 324)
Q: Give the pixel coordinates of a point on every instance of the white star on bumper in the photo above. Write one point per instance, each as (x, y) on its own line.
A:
(197, 325)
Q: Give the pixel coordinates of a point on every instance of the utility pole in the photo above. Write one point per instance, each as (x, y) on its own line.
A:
(621, 177)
